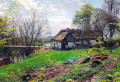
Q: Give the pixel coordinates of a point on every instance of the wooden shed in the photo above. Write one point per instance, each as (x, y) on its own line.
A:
(70, 38)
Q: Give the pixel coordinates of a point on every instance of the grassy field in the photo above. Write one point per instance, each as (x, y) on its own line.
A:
(40, 60)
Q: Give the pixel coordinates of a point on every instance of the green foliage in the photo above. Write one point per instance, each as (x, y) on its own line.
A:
(116, 76)
(3, 41)
(101, 50)
(3, 30)
(5, 21)
(117, 38)
(15, 52)
(12, 10)
(83, 17)
(90, 51)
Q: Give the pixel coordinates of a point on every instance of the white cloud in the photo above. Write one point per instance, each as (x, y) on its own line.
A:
(1, 13)
(82, 2)
(79, 2)
(53, 9)
(59, 22)
(1, 5)
(30, 4)
(1, 8)
(59, 15)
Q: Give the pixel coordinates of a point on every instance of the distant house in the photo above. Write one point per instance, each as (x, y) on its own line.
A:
(72, 38)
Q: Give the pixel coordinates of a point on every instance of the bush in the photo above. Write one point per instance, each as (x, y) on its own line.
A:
(111, 43)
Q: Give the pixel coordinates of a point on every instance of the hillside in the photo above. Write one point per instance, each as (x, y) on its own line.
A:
(39, 66)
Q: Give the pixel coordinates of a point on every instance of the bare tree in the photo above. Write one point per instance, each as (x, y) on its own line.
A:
(31, 27)
(113, 8)
(100, 22)
(13, 26)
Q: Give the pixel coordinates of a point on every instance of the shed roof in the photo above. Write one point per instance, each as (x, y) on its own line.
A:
(77, 33)
(60, 36)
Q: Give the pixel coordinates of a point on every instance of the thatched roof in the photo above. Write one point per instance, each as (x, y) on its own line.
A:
(60, 36)
(77, 33)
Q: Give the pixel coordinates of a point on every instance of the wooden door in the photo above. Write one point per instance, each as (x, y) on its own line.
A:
(63, 45)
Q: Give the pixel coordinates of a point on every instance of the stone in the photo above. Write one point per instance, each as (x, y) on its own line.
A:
(68, 62)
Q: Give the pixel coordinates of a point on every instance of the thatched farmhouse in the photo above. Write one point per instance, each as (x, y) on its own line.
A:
(73, 38)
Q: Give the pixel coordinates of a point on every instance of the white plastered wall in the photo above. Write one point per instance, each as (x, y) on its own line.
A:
(70, 45)
(56, 44)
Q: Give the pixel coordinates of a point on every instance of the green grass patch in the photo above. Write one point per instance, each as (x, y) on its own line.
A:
(116, 52)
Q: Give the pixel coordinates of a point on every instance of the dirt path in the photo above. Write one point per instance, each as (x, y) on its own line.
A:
(53, 71)
(50, 72)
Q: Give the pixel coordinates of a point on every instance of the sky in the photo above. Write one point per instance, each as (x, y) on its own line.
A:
(59, 13)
